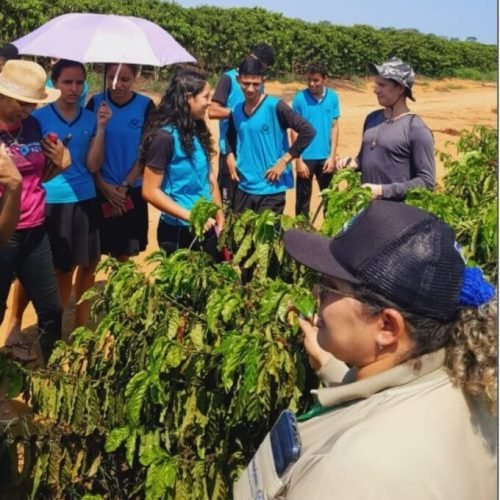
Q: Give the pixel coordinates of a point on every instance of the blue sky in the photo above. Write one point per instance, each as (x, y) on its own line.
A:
(451, 18)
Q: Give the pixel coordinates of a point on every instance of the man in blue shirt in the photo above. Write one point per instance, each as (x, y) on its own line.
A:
(319, 105)
(259, 155)
(227, 94)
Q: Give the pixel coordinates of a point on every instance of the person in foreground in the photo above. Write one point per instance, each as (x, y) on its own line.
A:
(413, 416)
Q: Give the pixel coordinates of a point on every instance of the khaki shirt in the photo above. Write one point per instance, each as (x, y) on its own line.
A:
(405, 434)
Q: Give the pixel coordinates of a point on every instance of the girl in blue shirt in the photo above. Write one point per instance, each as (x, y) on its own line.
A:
(176, 152)
(124, 215)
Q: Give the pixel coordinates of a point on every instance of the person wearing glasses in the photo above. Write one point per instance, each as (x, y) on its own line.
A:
(259, 154)
(405, 342)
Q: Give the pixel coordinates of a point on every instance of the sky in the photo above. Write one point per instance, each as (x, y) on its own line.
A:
(450, 18)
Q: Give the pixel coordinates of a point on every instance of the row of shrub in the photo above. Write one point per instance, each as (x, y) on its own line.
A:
(219, 38)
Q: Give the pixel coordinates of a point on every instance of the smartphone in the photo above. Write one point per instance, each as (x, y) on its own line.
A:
(285, 442)
(107, 208)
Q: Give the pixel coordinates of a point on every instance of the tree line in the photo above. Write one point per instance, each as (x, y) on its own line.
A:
(219, 38)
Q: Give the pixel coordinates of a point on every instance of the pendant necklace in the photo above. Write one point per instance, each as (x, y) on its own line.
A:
(13, 139)
(373, 144)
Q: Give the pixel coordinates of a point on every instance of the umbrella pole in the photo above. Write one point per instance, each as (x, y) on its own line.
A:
(104, 84)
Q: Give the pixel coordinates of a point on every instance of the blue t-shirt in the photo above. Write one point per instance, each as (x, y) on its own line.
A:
(261, 142)
(123, 136)
(76, 182)
(234, 97)
(186, 179)
(320, 115)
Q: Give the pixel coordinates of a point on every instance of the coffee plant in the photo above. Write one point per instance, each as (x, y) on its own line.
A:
(187, 368)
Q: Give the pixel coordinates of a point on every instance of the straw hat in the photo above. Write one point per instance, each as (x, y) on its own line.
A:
(25, 81)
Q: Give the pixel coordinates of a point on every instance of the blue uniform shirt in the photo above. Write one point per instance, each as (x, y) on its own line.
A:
(320, 115)
(186, 179)
(123, 136)
(261, 142)
(234, 97)
(76, 182)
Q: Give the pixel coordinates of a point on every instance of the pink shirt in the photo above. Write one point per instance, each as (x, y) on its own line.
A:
(23, 144)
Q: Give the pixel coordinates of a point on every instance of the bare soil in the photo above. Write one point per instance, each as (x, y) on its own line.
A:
(447, 106)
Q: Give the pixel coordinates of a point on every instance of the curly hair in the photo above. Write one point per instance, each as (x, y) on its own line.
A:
(174, 110)
(470, 341)
(471, 356)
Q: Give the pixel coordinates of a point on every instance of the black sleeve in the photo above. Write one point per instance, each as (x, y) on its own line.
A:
(231, 136)
(290, 119)
(222, 90)
(161, 150)
(90, 104)
(150, 108)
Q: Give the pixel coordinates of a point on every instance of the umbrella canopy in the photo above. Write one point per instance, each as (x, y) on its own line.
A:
(104, 38)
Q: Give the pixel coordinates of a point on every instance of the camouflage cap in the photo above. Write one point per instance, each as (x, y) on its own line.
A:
(397, 70)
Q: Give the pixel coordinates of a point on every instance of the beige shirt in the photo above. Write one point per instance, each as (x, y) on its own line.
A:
(410, 435)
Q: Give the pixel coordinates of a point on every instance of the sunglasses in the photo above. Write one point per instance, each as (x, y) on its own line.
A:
(324, 288)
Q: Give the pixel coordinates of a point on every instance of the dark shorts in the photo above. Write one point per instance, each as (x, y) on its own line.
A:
(128, 234)
(258, 203)
(171, 238)
(73, 230)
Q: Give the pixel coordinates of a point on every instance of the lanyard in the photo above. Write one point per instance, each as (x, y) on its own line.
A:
(318, 409)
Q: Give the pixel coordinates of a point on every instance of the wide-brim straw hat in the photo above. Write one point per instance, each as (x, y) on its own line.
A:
(25, 81)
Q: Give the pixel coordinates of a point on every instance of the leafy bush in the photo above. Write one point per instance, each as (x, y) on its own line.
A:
(185, 372)
(172, 392)
(220, 38)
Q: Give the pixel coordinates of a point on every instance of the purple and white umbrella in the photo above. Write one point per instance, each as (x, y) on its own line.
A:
(104, 38)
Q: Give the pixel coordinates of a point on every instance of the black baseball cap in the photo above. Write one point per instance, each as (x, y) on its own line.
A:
(400, 252)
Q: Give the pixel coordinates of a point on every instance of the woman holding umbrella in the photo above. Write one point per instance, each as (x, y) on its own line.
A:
(27, 253)
(176, 153)
(124, 215)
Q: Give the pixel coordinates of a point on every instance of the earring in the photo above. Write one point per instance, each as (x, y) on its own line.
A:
(379, 347)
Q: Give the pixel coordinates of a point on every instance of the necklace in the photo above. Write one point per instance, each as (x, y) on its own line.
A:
(373, 144)
(13, 139)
